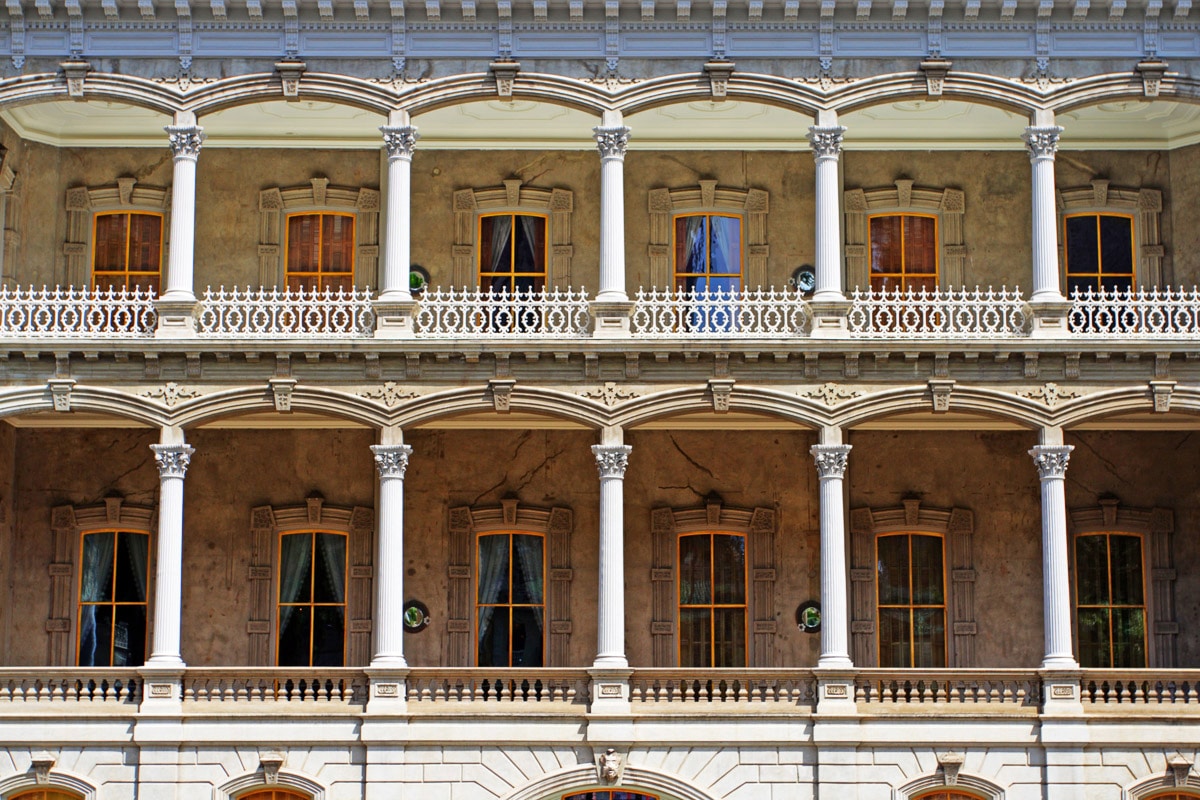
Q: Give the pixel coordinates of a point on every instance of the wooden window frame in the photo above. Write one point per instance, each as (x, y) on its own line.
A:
(320, 274)
(80, 603)
(19, 785)
(42, 793)
(510, 533)
(947, 205)
(127, 273)
(273, 794)
(1067, 275)
(512, 197)
(126, 196)
(609, 792)
(744, 606)
(1144, 205)
(708, 197)
(312, 605)
(904, 275)
(679, 277)
(912, 607)
(512, 274)
(1110, 607)
(949, 777)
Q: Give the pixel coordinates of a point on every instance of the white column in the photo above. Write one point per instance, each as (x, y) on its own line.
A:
(611, 461)
(1051, 461)
(185, 139)
(1042, 141)
(612, 138)
(826, 143)
(391, 460)
(399, 141)
(172, 462)
(835, 604)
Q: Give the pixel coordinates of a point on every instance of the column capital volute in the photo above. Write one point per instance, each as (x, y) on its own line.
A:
(185, 140)
(172, 459)
(1041, 140)
(612, 140)
(830, 459)
(1051, 460)
(399, 140)
(826, 141)
(391, 460)
(611, 459)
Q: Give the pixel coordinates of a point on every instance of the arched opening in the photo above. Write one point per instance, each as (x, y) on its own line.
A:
(273, 794)
(44, 794)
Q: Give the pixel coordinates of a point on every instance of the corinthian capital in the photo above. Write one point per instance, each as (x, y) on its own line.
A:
(185, 140)
(1042, 140)
(399, 140)
(611, 459)
(826, 141)
(611, 140)
(1051, 460)
(391, 460)
(172, 459)
(830, 459)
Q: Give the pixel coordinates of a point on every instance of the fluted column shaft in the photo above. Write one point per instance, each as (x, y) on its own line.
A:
(835, 604)
(172, 460)
(611, 461)
(827, 149)
(391, 461)
(612, 141)
(399, 141)
(1051, 461)
(1042, 141)
(185, 141)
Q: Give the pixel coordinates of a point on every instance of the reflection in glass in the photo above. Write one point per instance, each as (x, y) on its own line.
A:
(312, 600)
(112, 599)
(510, 600)
(1110, 616)
(910, 581)
(712, 600)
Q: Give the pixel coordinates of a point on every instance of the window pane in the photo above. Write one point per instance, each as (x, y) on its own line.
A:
(1129, 637)
(691, 233)
(729, 635)
(695, 569)
(295, 628)
(527, 569)
(729, 569)
(531, 244)
(1125, 554)
(695, 648)
(328, 635)
(1082, 255)
(886, 239)
(493, 569)
(97, 573)
(1091, 565)
(1093, 637)
(1116, 245)
(493, 636)
(1080, 284)
(145, 243)
(331, 568)
(303, 242)
(527, 637)
(495, 244)
(894, 637)
(95, 636)
(110, 242)
(929, 637)
(893, 570)
(920, 245)
(129, 636)
(927, 578)
(132, 552)
(337, 245)
(726, 253)
(295, 570)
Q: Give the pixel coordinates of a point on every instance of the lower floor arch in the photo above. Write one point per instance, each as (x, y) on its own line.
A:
(583, 782)
(949, 784)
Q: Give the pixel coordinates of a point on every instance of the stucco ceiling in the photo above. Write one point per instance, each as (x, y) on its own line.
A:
(738, 125)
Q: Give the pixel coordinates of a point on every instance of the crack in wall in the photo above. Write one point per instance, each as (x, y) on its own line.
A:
(691, 460)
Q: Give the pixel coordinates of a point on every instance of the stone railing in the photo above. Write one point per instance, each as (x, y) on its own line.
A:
(63, 688)
(505, 689)
(272, 312)
(291, 686)
(1170, 312)
(1146, 688)
(941, 314)
(998, 689)
(77, 312)
(453, 313)
(720, 689)
(720, 314)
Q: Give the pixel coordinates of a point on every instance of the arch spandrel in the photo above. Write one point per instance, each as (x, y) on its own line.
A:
(483, 399)
(878, 406)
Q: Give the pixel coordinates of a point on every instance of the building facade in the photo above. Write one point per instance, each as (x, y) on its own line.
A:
(599, 400)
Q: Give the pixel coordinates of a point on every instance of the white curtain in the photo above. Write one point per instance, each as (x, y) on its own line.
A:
(501, 233)
(529, 556)
(295, 565)
(96, 584)
(493, 578)
(333, 548)
(137, 549)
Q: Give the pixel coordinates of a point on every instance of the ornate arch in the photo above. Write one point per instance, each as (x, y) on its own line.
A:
(1143, 205)
(269, 776)
(1178, 777)
(83, 202)
(586, 776)
(51, 779)
(949, 778)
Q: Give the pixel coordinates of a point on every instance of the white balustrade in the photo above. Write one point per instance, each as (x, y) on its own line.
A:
(1155, 312)
(453, 313)
(721, 313)
(687, 690)
(942, 313)
(77, 312)
(1141, 687)
(324, 686)
(535, 689)
(70, 686)
(286, 312)
(905, 687)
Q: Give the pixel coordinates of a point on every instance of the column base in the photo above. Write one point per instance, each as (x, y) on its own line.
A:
(835, 692)
(395, 319)
(611, 318)
(830, 318)
(176, 318)
(610, 690)
(388, 690)
(1049, 318)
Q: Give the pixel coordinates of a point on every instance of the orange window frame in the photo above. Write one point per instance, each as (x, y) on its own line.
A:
(1110, 606)
(312, 605)
(126, 276)
(273, 794)
(608, 794)
(1174, 794)
(485, 276)
(1100, 273)
(81, 603)
(744, 605)
(708, 273)
(912, 607)
(45, 794)
(510, 605)
(946, 794)
(904, 276)
(321, 275)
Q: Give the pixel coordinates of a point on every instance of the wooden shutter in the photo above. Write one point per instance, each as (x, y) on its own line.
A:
(359, 592)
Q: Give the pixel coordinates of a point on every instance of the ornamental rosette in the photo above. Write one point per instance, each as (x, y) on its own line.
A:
(611, 460)
(830, 459)
(826, 141)
(185, 140)
(172, 459)
(1051, 460)
(1042, 141)
(399, 140)
(612, 141)
(391, 460)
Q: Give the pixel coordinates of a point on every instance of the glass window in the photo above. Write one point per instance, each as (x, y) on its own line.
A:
(45, 794)
(708, 253)
(904, 252)
(127, 250)
(1110, 600)
(608, 795)
(712, 600)
(912, 600)
(320, 252)
(944, 794)
(112, 599)
(274, 794)
(312, 599)
(510, 601)
(512, 253)
(1098, 252)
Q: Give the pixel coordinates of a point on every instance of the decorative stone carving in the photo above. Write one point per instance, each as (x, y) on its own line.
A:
(60, 392)
(290, 71)
(391, 460)
(1050, 394)
(1042, 140)
(271, 762)
(826, 141)
(610, 393)
(1051, 460)
(1179, 768)
(170, 393)
(830, 459)
(935, 70)
(721, 390)
(1152, 72)
(611, 460)
(75, 72)
(172, 459)
(505, 74)
(950, 764)
(1161, 391)
(610, 765)
(185, 140)
(501, 394)
(830, 393)
(282, 390)
(400, 140)
(390, 394)
(718, 78)
(611, 140)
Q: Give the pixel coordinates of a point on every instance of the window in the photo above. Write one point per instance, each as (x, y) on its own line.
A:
(946, 795)
(708, 253)
(904, 252)
(112, 599)
(607, 795)
(320, 252)
(45, 794)
(512, 253)
(1099, 252)
(312, 599)
(1110, 600)
(712, 600)
(273, 794)
(912, 600)
(127, 250)
(510, 603)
